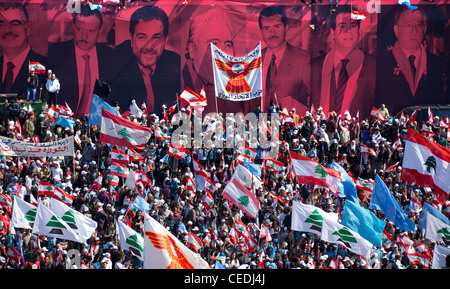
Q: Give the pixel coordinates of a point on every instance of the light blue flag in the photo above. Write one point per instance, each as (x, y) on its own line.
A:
(65, 122)
(347, 185)
(140, 204)
(253, 168)
(219, 265)
(433, 211)
(383, 200)
(95, 111)
(364, 222)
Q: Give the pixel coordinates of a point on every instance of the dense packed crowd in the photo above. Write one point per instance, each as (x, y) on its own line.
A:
(325, 138)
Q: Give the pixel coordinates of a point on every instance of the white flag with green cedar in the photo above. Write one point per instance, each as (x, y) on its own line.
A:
(23, 214)
(436, 230)
(334, 232)
(49, 224)
(308, 218)
(130, 240)
(85, 227)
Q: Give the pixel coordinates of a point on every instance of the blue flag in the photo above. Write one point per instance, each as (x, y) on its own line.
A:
(254, 169)
(383, 200)
(65, 122)
(140, 204)
(364, 222)
(433, 211)
(219, 265)
(95, 111)
(347, 185)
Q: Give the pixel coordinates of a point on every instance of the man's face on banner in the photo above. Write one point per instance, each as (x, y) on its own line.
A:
(200, 50)
(148, 42)
(346, 34)
(14, 29)
(273, 31)
(86, 31)
(410, 29)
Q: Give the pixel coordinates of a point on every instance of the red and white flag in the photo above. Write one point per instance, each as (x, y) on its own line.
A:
(178, 151)
(392, 168)
(273, 165)
(160, 135)
(427, 131)
(134, 156)
(122, 132)
(65, 110)
(375, 114)
(365, 185)
(53, 113)
(120, 170)
(309, 172)
(194, 242)
(97, 184)
(239, 195)
(119, 157)
(397, 145)
(427, 164)
(365, 150)
(55, 192)
(17, 127)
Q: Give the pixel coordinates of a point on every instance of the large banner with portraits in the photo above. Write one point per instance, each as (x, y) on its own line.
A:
(152, 50)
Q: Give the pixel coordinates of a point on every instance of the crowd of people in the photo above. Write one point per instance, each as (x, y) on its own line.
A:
(325, 138)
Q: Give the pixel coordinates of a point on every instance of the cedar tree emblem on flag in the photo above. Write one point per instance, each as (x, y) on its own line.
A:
(345, 236)
(316, 220)
(319, 170)
(237, 71)
(430, 163)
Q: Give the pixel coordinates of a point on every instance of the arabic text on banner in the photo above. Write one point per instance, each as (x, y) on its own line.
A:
(12, 147)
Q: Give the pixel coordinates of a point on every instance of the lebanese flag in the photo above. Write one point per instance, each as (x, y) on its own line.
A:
(310, 172)
(273, 165)
(356, 15)
(412, 117)
(208, 201)
(210, 188)
(365, 150)
(241, 158)
(114, 180)
(118, 157)
(178, 151)
(120, 170)
(427, 164)
(430, 115)
(397, 144)
(194, 242)
(65, 110)
(365, 185)
(375, 114)
(426, 131)
(142, 177)
(190, 185)
(55, 192)
(53, 113)
(264, 233)
(134, 156)
(189, 97)
(97, 183)
(160, 135)
(239, 195)
(392, 168)
(37, 66)
(17, 127)
(248, 152)
(244, 232)
(119, 131)
(30, 110)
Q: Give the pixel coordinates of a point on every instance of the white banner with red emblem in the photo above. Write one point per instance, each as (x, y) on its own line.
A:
(237, 79)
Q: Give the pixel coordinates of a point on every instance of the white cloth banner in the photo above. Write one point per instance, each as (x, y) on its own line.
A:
(12, 147)
(237, 79)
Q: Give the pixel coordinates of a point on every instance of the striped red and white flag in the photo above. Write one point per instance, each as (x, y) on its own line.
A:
(427, 164)
(310, 172)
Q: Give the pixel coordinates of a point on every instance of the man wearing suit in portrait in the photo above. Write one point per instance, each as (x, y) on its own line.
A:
(408, 74)
(81, 61)
(15, 28)
(149, 73)
(343, 79)
(286, 69)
